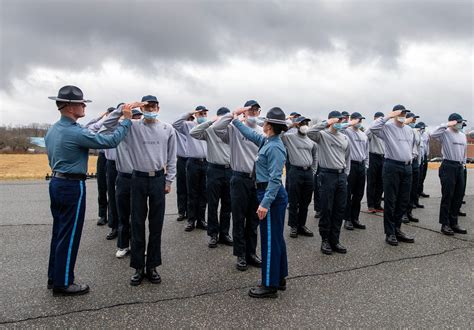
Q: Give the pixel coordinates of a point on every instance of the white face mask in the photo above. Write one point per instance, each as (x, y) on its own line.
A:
(401, 119)
(304, 129)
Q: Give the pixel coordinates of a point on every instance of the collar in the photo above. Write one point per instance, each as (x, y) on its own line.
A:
(66, 120)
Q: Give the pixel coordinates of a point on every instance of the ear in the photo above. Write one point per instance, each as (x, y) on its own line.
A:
(158, 109)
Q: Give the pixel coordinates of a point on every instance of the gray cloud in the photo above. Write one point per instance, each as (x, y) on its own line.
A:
(80, 34)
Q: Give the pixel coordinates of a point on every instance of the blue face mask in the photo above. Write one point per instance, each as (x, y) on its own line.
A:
(201, 120)
(150, 115)
(252, 121)
(337, 126)
(459, 126)
(344, 125)
(358, 125)
(412, 125)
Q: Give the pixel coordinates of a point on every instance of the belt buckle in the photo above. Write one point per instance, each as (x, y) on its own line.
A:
(340, 171)
(152, 173)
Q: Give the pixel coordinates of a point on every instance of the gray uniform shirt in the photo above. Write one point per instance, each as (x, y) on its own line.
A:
(425, 143)
(453, 143)
(195, 148)
(218, 152)
(359, 145)
(302, 151)
(243, 152)
(181, 143)
(398, 141)
(417, 146)
(376, 144)
(333, 149)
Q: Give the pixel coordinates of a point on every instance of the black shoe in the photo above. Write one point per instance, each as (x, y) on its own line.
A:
(50, 284)
(424, 195)
(181, 217)
(72, 290)
(282, 285)
(391, 239)
(153, 276)
(402, 237)
(293, 232)
(418, 205)
(263, 292)
(458, 230)
(303, 230)
(201, 224)
(226, 239)
(254, 260)
(463, 202)
(138, 277)
(102, 221)
(317, 215)
(405, 219)
(411, 218)
(241, 264)
(412, 206)
(326, 247)
(189, 226)
(461, 214)
(348, 225)
(339, 248)
(113, 234)
(445, 229)
(212, 241)
(357, 224)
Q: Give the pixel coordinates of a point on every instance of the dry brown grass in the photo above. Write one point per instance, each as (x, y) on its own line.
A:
(15, 167)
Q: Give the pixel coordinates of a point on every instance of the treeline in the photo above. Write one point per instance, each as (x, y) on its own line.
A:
(16, 139)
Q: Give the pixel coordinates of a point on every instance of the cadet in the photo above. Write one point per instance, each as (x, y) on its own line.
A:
(425, 144)
(196, 168)
(334, 166)
(111, 175)
(359, 146)
(415, 164)
(68, 144)
(302, 154)
(451, 173)
(181, 185)
(399, 140)
(218, 181)
(242, 185)
(374, 172)
(345, 118)
(272, 198)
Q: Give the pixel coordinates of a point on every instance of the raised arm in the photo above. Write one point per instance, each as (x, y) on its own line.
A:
(85, 138)
(249, 133)
(314, 133)
(314, 153)
(222, 128)
(180, 124)
(199, 132)
(171, 161)
(439, 131)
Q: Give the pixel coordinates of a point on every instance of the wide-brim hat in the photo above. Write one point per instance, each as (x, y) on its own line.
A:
(276, 116)
(70, 94)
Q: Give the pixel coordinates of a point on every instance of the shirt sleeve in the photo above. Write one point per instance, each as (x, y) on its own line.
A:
(171, 161)
(314, 153)
(439, 131)
(180, 124)
(199, 132)
(347, 170)
(276, 157)
(249, 133)
(378, 126)
(314, 133)
(222, 127)
(111, 121)
(84, 138)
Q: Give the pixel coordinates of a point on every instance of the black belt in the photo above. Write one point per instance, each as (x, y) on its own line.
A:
(197, 160)
(373, 154)
(125, 175)
(151, 174)
(69, 176)
(398, 162)
(331, 170)
(222, 167)
(357, 162)
(453, 162)
(301, 168)
(262, 185)
(242, 174)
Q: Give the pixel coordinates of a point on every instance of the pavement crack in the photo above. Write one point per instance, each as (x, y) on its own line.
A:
(220, 291)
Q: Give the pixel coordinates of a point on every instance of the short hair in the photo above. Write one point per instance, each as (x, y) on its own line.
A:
(61, 105)
(278, 128)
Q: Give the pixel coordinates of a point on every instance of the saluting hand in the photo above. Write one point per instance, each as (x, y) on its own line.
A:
(452, 123)
(240, 111)
(409, 120)
(332, 121)
(127, 111)
(394, 114)
(262, 212)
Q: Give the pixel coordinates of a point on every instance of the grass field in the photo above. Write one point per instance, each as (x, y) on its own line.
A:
(17, 167)
(34, 166)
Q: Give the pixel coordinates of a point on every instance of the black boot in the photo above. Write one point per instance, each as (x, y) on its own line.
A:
(303, 230)
(226, 239)
(326, 247)
(112, 235)
(293, 232)
(153, 275)
(212, 241)
(411, 218)
(263, 292)
(241, 264)
(72, 290)
(138, 277)
(254, 260)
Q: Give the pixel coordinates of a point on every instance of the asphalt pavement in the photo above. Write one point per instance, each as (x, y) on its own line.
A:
(426, 284)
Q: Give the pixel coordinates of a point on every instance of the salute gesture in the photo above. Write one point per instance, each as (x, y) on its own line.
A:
(452, 123)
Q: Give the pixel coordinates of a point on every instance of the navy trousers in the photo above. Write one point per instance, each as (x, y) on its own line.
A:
(415, 177)
(123, 199)
(300, 191)
(355, 191)
(181, 186)
(423, 171)
(68, 204)
(396, 188)
(317, 200)
(244, 206)
(218, 188)
(196, 183)
(102, 184)
(148, 200)
(375, 181)
(273, 247)
(333, 192)
(452, 179)
(112, 205)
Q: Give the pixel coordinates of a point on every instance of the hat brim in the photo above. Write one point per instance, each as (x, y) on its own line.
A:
(54, 98)
(276, 121)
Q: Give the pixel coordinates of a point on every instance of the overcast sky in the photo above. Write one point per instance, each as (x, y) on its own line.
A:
(305, 56)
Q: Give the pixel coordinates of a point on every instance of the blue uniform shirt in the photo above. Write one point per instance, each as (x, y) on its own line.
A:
(68, 144)
(270, 160)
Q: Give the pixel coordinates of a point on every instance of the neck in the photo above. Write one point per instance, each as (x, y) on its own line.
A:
(332, 130)
(150, 121)
(70, 116)
(399, 124)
